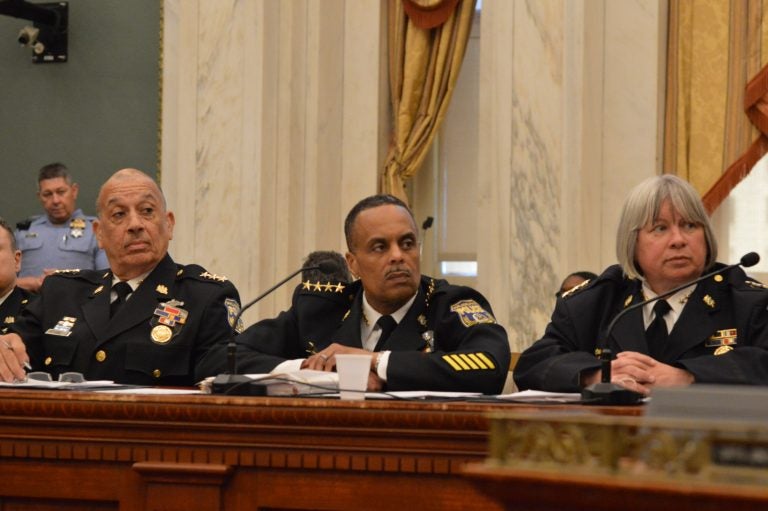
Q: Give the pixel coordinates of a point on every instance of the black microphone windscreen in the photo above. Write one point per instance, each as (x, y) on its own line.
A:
(750, 259)
(328, 266)
(427, 223)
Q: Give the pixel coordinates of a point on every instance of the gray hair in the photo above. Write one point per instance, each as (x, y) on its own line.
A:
(642, 206)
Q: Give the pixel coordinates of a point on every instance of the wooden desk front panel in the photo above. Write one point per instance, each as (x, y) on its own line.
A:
(136, 453)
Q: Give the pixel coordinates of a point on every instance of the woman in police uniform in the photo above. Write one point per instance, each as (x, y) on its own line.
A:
(711, 332)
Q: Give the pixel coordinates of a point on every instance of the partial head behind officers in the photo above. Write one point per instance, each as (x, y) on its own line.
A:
(146, 320)
(440, 337)
(715, 331)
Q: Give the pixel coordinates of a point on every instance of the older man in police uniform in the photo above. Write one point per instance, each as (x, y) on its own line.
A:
(12, 297)
(147, 320)
(421, 333)
(61, 238)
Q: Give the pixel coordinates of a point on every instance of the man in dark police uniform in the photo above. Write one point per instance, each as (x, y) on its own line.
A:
(439, 336)
(148, 320)
(12, 297)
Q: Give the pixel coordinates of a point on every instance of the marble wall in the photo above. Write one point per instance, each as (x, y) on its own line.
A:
(275, 121)
(274, 124)
(569, 99)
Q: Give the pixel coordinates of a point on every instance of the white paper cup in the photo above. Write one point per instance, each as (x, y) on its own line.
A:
(353, 372)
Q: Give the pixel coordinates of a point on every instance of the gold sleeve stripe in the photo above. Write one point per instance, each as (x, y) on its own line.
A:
(453, 364)
(487, 360)
(468, 360)
(459, 361)
(477, 360)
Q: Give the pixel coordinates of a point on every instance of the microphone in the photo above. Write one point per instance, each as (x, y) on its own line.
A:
(238, 385)
(607, 393)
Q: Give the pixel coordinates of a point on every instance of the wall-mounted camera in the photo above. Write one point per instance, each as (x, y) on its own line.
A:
(28, 37)
(48, 37)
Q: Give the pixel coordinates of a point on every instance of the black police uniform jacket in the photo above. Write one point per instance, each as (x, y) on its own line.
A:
(67, 327)
(448, 340)
(12, 307)
(721, 313)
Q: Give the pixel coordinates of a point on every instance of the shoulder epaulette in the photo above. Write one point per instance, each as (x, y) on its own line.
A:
(68, 271)
(755, 284)
(199, 273)
(576, 288)
(24, 224)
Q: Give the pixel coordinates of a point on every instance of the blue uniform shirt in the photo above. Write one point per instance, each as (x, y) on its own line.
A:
(68, 245)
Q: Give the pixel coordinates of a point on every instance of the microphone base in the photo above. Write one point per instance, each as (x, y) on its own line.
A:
(609, 394)
(237, 385)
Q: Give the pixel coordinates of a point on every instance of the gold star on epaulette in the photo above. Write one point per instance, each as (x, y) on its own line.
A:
(339, 287)
(318, 286)
(576, 288)
(213, 276)
(328, 287)
(306, 285)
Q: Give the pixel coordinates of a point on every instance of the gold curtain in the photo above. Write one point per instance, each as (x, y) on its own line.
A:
(427, 41)
(715, 48)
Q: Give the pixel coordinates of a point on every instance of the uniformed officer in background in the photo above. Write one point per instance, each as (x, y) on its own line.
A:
(435, 336)
(62, 237)
(12, 297)
(146, 320)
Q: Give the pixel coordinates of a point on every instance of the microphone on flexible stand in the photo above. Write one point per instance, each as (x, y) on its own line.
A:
(607, 393)
(240, 385)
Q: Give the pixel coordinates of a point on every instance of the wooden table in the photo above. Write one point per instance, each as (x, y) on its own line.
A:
(90, 451)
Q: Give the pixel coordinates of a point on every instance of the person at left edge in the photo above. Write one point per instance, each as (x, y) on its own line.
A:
(172, 315)
(12, 297)
(61, 238)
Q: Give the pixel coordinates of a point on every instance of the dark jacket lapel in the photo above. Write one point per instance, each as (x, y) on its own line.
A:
(629, 332)
(695, 324)
(349, 331)
(142, 303)
(407, 335)
(96, 310)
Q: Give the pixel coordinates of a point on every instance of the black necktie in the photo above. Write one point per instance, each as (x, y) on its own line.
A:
(657, 335)
(123, 289)
(387, 324)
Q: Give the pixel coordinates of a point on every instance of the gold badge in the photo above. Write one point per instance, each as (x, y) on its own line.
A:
(471, 313)
(8, 319)
(161, 289)
(422, 320)
(161, 334)
(723, 350)
(709, 301)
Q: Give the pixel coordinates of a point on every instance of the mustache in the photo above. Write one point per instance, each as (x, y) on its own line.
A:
(398, 269)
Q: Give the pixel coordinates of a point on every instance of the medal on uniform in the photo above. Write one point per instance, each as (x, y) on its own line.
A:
(161, 334)
(429, 338)
(167, 321)
(722, 340)
(63, 328)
